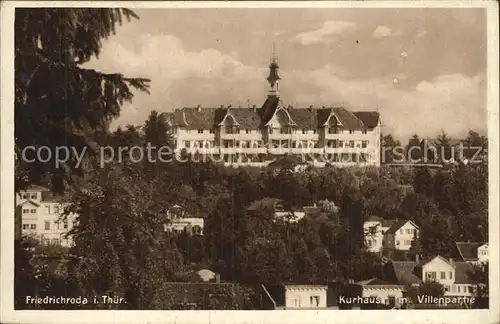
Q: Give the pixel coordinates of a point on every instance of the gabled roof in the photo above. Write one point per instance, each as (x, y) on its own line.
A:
(253, 118)
(431, 258)
(35, 188)
(467, 250)
(405, 272)
(375, 282)
(29, 201)
(398, 224)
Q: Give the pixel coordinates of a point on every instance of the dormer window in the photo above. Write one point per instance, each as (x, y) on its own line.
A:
(34, 196)
(212, 131)
(351, 131)
(364, 131)
(200, 131)
(247, 131)
(315, 131)
(304, 131)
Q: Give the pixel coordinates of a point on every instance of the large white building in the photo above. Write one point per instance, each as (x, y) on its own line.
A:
(248, 136)
(40, 216)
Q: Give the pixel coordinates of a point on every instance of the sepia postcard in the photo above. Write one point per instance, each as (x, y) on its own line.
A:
(249, 162)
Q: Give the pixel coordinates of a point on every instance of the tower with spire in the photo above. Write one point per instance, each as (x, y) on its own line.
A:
(273, 77)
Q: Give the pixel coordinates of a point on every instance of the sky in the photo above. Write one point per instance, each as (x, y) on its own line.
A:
(424, 70)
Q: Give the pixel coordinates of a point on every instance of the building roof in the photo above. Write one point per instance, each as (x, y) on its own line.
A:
(36, 188)
(253, 118)
(467, 250)
(397, 224)
(375, 282)
(462, 270)
(405, 272)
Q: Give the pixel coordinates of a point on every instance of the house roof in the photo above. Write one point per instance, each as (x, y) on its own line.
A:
(397, 224)
(467, 250)
(30, 202)
(253, 118)
(462, 270)
(375, 282)
(263, 203)
(35, 187)
(374, 218)
(405, 272)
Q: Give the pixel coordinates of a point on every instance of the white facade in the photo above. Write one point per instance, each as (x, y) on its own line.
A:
(405, 235)
(385, 294)
(305, 296)
(42, 219)
(192, 225)
(384, 234)
(482, 253)
(443, 271)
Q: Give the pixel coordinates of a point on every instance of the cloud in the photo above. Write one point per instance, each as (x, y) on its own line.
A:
(322, 35)
(384, 31)
(210, 78)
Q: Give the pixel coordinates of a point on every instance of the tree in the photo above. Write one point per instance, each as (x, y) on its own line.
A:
(480, 275)
(58, 102)
(415, 248)
(414, 150)
(445, 150)
(389, 148)
(431, 288)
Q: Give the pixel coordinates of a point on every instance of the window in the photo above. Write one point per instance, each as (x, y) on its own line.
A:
(397, 242)
(373, 229)
(304, 131)
(332, 130)
(341, 143)
(33, 226)
(407, 242)
(26, 226)
(212, 131)
(408, 231)
(470, 289)
(200, 131)
(248, 131)
(33, 196)
(351, 131)
(401, 231)
(47, 226)
(315, 131)
(56, 209)
(443, 275)
(56, 225)
(33, 211)
(364, 131)
(187, 144)
(446, 288)
(450, 275)
(25, 196)
(392, 301)
(55, 241)
(364, 144)
(26, 211)
(351, 144)
(431, 275)
(458, 288)
(65, 225)
(270, 130)
(314, 301)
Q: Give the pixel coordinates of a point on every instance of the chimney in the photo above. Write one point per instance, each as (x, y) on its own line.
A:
(198, 108)
(311, 107)
(417, 258)
(229, 106)
(254, 108)
(217, 278)
(222, 106)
